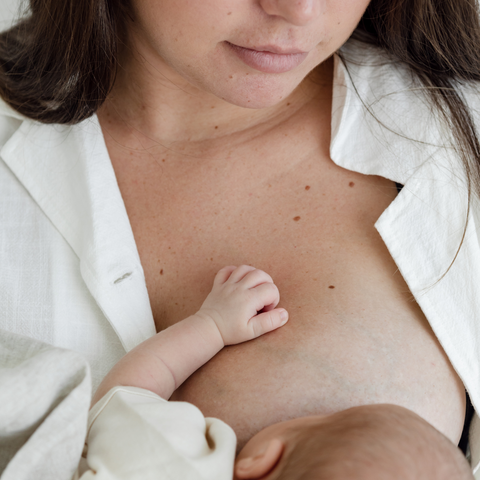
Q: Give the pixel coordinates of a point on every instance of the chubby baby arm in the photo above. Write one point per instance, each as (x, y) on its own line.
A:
(240, 307)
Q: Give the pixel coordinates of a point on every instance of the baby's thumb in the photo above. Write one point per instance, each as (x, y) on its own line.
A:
(267, 321)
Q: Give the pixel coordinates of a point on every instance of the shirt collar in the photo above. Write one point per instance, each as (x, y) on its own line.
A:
(381, 121)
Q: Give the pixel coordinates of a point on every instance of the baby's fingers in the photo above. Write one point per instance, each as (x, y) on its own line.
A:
(256, 277)
(268, 321)
(240, 272)
(223, 275)
(265, 295)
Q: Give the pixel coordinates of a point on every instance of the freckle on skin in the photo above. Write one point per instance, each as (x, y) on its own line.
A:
(163, 159)
(288, 104)
(351, 184)
(296, 219)
(331, 286)
(161, 271)
(307, 187)
(211, 259)
(216, 126)
(229, 13)
(231, 76)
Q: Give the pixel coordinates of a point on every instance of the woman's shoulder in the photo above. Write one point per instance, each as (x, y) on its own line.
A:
(372, 61)
(382, 86)
(382, 80)
(385, 95)
(384, 121)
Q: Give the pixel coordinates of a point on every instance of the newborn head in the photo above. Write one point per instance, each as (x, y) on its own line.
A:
(372, 442)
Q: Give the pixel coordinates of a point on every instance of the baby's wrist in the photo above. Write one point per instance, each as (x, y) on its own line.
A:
(208, 328)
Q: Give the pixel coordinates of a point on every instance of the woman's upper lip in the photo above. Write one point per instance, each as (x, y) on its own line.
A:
(272, 49)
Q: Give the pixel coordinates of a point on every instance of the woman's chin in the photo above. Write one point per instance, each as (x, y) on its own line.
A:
(248, 88)
(255, 92)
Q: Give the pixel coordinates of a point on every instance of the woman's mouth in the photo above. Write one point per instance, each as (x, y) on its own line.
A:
(268, 59)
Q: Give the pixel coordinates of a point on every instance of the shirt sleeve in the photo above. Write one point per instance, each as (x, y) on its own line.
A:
(135, 434)
(131, 433)
(45, 395)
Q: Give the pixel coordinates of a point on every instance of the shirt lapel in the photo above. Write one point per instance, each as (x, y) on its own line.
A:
(68, 172)
(381, 125)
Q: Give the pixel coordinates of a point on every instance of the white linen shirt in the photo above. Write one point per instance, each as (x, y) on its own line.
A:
(70, 270)
(134, 434)
(130, 434)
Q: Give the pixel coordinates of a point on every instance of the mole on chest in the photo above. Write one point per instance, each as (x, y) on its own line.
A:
(298, 233)
(311, 228)
(354, 335)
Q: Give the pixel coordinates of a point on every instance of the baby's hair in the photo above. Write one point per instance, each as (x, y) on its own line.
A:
(377, 442)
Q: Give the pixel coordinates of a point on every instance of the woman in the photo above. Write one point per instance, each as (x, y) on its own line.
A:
(147, 144)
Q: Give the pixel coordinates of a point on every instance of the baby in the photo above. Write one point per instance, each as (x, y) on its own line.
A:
(362, 443)
(372, 442)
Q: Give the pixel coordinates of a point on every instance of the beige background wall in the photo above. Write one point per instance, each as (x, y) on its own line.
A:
(8, 10)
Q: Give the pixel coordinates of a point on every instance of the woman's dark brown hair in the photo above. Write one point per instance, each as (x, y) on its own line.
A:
(59, 63)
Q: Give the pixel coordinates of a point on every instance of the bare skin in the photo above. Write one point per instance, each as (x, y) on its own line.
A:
(379, 441)
(262, 190)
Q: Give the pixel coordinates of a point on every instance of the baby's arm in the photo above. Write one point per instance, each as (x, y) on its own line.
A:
(228, 316)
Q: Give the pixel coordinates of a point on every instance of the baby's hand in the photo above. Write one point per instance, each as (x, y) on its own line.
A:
(238, 294)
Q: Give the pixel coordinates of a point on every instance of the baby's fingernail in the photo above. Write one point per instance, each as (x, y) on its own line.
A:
(284, 316)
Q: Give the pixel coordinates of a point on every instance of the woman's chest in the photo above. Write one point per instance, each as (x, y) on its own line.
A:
(354, 336)
(310, 227)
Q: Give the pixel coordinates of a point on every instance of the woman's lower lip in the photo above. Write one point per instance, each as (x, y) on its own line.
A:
(268, 62)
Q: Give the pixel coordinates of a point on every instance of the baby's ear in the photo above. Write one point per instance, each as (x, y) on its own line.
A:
(251, 468)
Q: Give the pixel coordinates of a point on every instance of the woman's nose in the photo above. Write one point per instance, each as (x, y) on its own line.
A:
(297, 12)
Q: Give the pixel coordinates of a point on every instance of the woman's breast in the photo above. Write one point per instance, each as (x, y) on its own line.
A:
(355, 334)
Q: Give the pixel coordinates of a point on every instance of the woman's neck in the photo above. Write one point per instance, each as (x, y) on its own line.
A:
(151, 104)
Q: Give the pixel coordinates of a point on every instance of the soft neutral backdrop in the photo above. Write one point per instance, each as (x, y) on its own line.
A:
(9, 9)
